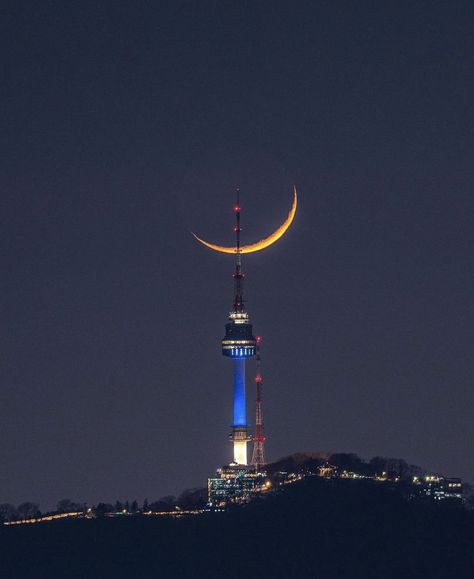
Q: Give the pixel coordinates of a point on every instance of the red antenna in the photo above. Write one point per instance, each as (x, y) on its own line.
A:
(258, 456)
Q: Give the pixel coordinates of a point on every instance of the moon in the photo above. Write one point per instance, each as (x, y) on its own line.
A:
(263, 243)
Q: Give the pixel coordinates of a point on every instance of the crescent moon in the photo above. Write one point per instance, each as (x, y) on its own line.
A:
(263, 243)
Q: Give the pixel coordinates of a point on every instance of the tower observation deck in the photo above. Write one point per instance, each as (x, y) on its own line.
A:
(239, 344)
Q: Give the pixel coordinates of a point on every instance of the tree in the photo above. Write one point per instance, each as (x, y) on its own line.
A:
(165, 504)
(349, 461)
(168, 499)
(68, 506)
(134, 507)
(145, 507)
(193, 498)
(102, 508)
(7, 512)
(394, 467)
(28, 510)
(118, 507)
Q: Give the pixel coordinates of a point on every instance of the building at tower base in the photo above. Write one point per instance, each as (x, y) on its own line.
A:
(235, 484)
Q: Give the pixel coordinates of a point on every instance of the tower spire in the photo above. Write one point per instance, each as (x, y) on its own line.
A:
(238, 275)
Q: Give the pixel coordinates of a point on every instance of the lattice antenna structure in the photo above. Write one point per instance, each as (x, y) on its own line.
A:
(258, 456)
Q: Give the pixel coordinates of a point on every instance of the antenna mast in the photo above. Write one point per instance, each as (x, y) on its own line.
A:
(238, 275)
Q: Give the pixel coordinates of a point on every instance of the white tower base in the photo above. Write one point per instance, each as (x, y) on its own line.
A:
(240, 438)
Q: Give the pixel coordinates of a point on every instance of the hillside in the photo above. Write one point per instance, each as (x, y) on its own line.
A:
(314, 528)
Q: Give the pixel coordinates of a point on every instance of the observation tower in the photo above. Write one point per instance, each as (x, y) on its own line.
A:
(239, 480)
(239, 344)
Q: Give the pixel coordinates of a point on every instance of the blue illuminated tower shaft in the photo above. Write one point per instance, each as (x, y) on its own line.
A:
(239, 435)
(240, 408)
(239, 344)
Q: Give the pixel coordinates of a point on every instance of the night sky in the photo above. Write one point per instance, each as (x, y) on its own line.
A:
(124, 126)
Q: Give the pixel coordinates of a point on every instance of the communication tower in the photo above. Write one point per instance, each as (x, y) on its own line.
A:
(258, 456)
(239, 344)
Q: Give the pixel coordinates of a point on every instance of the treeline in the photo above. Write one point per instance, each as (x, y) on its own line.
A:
(26, 510)
(305, 463)
(350, 462)
(189, 499)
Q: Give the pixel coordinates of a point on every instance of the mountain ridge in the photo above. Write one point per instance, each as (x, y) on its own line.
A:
(316, 527)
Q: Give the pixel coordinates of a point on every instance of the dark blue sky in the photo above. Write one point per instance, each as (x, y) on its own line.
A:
(125, 125)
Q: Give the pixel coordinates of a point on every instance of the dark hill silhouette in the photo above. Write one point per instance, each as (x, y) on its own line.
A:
(335, 528)
(310, 461)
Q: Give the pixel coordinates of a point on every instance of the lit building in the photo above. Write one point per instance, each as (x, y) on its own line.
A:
(438, 487)
(327, 470)
(235, 484)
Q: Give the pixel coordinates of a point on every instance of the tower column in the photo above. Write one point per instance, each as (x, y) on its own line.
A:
(239, 435)
(240, 410)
